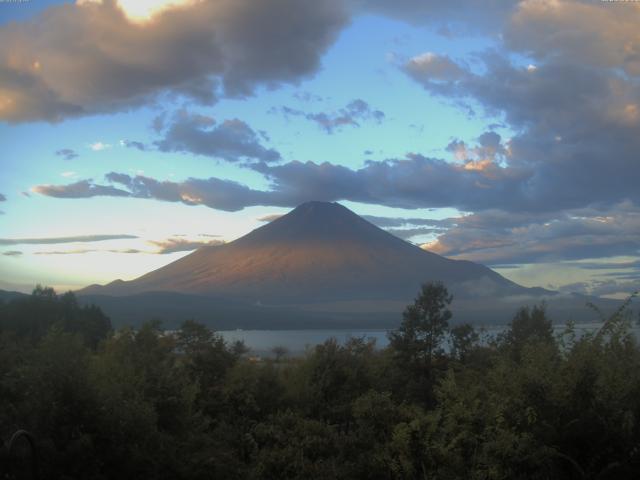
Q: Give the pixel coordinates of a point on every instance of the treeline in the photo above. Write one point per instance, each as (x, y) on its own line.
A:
(145, 403)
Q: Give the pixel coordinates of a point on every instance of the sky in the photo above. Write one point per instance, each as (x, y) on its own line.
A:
(506, 133)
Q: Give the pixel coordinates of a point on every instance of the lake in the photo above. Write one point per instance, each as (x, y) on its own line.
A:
(261, 342)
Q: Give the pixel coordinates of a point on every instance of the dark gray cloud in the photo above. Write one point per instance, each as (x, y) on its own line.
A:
(351, 115)
(55, 240)
(602, 287)
(82, 59)
(67, 153)
(577, 127)
(413, 182)
(12, 253)
(212, 192)
(134, 144)
(450, 17)
(498, 237)
(3, 198)
(610, 265)
(231, 140)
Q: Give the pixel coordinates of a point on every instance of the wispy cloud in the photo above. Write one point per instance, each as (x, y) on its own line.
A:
(80, 189)
(173, 245)
(12, 253)
(160, 247)
(351, 115)
(55, 240)
(270, 218)
(82, 251)
(67, 153)
(99, 146)
(133, 144)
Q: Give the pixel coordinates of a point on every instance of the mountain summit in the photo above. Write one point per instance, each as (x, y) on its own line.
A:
(318, 252)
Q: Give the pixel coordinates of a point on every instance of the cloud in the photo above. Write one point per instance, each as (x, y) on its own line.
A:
(82, 251)
(232, 140)
(576, 128)
(3, 198)
(453, 16)
(55, 240)
(356, 111)
(12, 253)
(413, 182)
(162, 247)
(99, 146)
(482, 177)
(436, 68)
(80, 189)
(496, 237)
(173, 245)
(597, 287)
(409, 233)
(82, 59)
(67, 154)
(610, 265)
(593, 33)
(385, 222)
(133, 144)
(270, 218)
(212, 192)
(68, 174)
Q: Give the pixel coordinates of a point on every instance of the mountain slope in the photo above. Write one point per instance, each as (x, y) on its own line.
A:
(317, 252)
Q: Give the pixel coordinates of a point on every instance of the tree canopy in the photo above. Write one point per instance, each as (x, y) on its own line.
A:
(149, 403)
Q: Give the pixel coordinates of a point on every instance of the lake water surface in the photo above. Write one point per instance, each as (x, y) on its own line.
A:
(261, 342)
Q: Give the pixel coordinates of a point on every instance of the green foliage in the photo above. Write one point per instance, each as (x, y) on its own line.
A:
(424, 325)
(31, 318)
(464, 339)
(418, 342)
(529, 325)
(153, 404)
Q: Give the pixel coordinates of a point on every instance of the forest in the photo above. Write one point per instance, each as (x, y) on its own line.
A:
(442, 401)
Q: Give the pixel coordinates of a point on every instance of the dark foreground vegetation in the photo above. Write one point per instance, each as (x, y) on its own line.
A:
(147, 404)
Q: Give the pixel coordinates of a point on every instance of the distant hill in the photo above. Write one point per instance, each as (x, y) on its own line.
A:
(7, 296)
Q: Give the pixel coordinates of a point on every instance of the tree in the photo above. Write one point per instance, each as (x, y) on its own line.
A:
(528, 326)
(463, 339)
(424, 325)
(279, 352)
